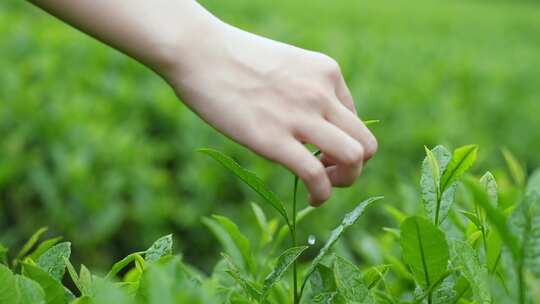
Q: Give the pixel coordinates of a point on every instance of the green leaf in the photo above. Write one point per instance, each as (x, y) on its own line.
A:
(262, 222)
(240, 241)
(495, 216)
(157, 283)
(473, 271)
(395, 213)
(322, 281)
(472, 217)
(249, 287)
(53, 261)
(284, 261)
(224, 238)
(445, 293)
(375, 274)
(54, 291)
(516, 170)
(350, 282)
(348, 220)
(424, 249)
(29, 291)
(86, 281)
(462, 159)
(30, 243)
(371, 122)
(492, 190)
(433, 165)
(494, 245)
(525, 225)
(73, 274)
(161, 247)
(44, 246)
(8, 286)
(118, 266)
(250, 179)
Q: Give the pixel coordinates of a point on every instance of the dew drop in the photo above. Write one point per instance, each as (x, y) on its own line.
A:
(311, 239)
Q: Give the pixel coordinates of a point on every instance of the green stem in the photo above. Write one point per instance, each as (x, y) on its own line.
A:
(293, 238)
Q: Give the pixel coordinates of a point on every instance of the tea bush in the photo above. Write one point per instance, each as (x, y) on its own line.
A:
(99, 149)
(467, 246)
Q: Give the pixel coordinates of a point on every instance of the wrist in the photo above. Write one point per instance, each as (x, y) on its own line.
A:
(178, 50)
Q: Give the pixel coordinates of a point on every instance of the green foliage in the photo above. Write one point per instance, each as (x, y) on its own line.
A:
(477, 274)
(424, 249)
(250, 179)
(494, 259)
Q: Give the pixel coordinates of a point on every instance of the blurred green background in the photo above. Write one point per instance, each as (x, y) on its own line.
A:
(95, 146)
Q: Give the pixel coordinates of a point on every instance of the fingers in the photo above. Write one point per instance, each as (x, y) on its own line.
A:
(352, 125)
(293, 155)
(344, 94)
(344, 152)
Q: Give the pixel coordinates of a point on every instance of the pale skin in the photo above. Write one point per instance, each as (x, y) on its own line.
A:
(269, 96)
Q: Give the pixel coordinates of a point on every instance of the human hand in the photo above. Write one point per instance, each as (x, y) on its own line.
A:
(272, 98)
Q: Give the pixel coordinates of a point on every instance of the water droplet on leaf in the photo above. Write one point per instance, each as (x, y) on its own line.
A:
(311, 240)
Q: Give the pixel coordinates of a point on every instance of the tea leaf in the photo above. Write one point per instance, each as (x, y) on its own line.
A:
(445, 293)
(525, 225)
(249, 288)
(490, 184)
(53, 261)
(225, 239)
(250, 179)
(73, 274)
(8, 288)
(350, 282)
(433, 165)
(472, 270)
(31, 242)
(494, 252)
(447, 200)
(85, 280)
(29, 291)
(424, 249)
(44, 246)
(495, 216)
(516, 170)
(156, 285)
(262, 222)
(161, 247)
(472, 217)
(462, 159)
(240, 241)
(285, 260)
(54, 291)
(348, 220)
(118, 266)
(322, 281)
(374, 275)
(434, 168)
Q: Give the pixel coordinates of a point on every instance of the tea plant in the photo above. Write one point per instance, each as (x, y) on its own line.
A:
(471, 244)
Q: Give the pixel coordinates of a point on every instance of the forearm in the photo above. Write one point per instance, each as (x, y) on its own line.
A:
(153, 32)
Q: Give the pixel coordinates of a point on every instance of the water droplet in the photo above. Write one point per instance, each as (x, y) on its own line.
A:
(311, 239)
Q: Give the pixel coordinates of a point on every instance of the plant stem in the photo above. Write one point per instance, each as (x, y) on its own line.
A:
(293, 238)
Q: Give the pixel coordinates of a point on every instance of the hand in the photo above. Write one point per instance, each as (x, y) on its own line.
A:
(273, 98)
